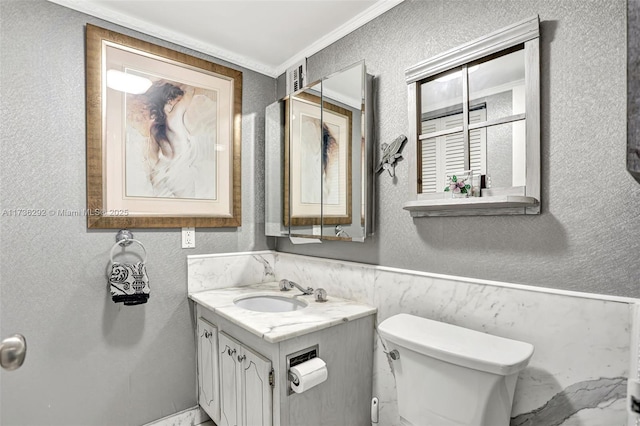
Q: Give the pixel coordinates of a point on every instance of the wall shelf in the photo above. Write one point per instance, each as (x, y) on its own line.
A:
(474, 206)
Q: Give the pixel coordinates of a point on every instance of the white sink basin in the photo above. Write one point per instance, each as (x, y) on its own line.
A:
(269, 303)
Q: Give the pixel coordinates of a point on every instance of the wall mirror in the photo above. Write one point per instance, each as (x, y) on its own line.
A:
(318, 164)
(474, 118)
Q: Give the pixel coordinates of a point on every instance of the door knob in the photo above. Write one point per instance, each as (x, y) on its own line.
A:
(12, 352)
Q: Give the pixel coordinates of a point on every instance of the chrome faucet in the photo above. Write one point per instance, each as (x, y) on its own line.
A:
(286, 285)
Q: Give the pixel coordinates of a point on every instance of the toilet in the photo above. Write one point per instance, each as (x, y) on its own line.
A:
(452, 376)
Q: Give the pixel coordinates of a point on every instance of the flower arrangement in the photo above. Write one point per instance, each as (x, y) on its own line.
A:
(458, 184)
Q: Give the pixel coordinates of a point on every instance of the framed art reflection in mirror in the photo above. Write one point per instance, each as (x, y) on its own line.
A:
(317, 162)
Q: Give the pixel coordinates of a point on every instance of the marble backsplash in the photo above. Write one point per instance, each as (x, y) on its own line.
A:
(583, 342)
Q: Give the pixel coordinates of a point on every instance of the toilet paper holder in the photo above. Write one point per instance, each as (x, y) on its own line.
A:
(298, 358)
(293, 379)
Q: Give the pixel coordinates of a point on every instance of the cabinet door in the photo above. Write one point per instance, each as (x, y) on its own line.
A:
(208, 381)
(229, 350)
(257, 396)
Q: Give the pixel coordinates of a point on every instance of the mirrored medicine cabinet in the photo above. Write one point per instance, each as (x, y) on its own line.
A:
(474, 116)
(318, 159)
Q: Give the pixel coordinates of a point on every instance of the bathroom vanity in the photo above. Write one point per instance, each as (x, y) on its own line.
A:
(244, 356)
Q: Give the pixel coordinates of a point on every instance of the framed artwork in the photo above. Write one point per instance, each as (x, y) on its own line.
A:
(317, 162)
(163, 136)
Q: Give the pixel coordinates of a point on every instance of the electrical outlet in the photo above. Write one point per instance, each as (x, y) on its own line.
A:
(188, 237)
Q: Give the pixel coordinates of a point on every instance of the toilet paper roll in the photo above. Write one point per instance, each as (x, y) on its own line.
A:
(309, 373)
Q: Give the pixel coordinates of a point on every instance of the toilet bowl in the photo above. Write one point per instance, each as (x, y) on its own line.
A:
(452, 376)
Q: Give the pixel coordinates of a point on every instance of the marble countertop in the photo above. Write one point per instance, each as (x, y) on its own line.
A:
(278, 326)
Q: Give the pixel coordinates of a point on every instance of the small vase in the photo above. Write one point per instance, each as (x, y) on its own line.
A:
(459, 184)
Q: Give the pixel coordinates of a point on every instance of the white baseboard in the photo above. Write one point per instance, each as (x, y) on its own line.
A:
(189, 417)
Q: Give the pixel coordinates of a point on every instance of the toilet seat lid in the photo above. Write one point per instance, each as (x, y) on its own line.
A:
(457, 345)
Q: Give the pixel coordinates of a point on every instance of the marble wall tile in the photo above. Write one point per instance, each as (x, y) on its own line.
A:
(582, 345)
(348, 280)
(578, 372)
(384, 386)
(229, 270)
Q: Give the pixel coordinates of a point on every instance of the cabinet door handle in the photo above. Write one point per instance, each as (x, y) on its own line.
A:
(241, 358)
(207, 334)
(231, 351)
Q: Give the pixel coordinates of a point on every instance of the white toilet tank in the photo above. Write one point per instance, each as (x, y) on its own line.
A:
(452, 376)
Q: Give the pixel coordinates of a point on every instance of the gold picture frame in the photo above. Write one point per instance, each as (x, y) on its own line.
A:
(306, 125)
(167, 156)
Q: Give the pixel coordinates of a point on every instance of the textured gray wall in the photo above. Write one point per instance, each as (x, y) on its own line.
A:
(588, 235)
(633, 87)
(91, 362)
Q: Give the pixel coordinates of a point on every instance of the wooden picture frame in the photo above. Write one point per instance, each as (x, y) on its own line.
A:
(306, 125)
(164, 156)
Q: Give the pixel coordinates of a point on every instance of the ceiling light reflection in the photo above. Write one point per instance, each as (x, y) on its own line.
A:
(456, 74)
(128, 83)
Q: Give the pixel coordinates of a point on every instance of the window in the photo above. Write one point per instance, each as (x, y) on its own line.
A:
(476, 107)
(445, 154)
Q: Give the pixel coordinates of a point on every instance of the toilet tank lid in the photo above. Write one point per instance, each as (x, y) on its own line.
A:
(457, 345)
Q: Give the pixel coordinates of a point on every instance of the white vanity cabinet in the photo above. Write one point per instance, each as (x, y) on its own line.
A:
(244, 357)
(208, 371)
(246, 378)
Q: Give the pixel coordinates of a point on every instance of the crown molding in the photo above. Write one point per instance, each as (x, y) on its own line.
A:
(162, 33)
(504, 38)
(358, 21)
(165, 34)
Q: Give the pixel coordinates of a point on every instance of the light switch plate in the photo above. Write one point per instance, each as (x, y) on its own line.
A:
(188, 237)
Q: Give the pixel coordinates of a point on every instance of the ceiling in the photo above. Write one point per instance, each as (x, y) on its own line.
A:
(267, 36)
